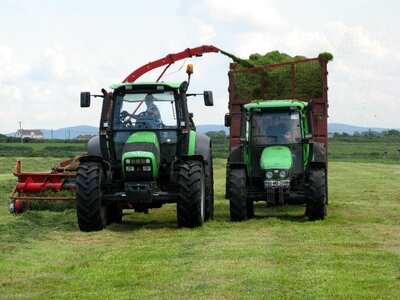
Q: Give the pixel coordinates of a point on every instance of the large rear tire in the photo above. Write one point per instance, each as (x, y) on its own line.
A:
(191, 203)
(237, 193)
(209, 173)
(316, 208)
(92, 215)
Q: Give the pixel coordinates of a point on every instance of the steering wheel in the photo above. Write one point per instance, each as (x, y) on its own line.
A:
(125, 118)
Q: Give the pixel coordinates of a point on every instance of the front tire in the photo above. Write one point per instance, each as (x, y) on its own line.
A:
(191, 203)
(92, 215)
(237, 193)
(317, 206)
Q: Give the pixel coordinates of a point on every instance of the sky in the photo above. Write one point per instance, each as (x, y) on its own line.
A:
(50, 51)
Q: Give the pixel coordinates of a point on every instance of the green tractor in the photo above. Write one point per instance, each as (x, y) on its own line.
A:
(276, 160)
(147, 153)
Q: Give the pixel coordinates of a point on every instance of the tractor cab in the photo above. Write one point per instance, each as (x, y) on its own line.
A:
(275, 136)
(150, 107)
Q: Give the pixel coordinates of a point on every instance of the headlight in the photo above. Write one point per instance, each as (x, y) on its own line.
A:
(269, 174)
(282, 174)
(130, 168)
(147, 168)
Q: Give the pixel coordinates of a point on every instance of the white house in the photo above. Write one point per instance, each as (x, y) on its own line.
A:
(30, 133)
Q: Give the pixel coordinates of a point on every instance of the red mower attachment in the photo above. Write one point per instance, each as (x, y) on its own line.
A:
(31, 185)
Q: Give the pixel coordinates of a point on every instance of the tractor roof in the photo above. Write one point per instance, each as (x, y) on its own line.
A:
(275, 104)
(173, 85)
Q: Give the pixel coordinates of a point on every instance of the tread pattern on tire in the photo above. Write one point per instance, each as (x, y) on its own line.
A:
(190, 182)
(88, 193)
(209, 175)
(316, 209)
(237, 201)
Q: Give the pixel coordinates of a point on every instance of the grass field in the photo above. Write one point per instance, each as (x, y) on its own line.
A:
(354, 253)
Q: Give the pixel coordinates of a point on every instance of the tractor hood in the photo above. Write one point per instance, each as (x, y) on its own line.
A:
(141, 156)
(276, 157)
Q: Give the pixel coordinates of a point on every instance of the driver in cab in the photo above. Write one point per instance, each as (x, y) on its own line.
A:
(152, 109)
(278, 129)
(151, 116)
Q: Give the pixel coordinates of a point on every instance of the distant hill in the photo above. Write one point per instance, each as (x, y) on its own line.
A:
(206, 128)
(350, 129)
(69, 132)
(73, 132)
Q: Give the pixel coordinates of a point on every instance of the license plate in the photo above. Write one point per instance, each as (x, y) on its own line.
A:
(276, 183)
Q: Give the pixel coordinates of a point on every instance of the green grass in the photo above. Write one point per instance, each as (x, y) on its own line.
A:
(43, 149)
(354, 253)
(364, 151)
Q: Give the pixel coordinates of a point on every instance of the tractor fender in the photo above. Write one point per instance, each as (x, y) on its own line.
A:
(191, 157)
(203, 146)
(98, 159)
(93, 147)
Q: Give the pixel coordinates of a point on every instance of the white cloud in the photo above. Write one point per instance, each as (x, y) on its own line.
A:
(10, 69)
(52, 65)
(350, 37)
(259, 13)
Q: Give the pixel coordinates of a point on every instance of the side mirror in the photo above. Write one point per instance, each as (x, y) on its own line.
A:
(85, 99)
(208, 98)
(228, 120)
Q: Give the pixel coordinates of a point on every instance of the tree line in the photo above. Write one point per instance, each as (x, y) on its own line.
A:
(391, 135)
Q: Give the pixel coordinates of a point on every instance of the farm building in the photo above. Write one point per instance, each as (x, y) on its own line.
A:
(30, 133)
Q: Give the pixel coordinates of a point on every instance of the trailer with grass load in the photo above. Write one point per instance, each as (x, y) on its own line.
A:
(278, 137)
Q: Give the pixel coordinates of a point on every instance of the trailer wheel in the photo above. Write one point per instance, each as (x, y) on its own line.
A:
(237, 193)
(316, 208)
(92, 215)
(209, 173)
(190, 207)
